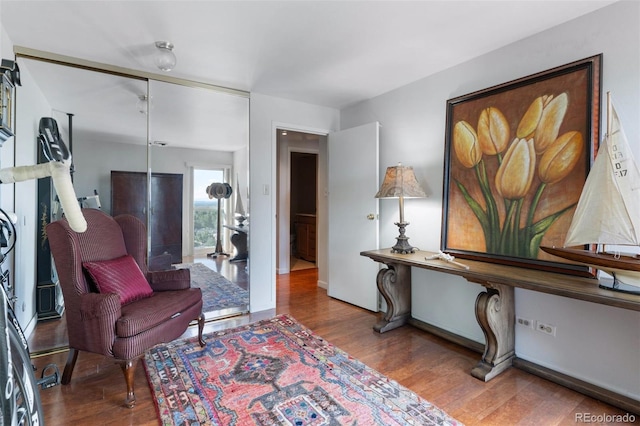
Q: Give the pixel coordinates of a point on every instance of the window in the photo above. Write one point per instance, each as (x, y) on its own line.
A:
(205, 210)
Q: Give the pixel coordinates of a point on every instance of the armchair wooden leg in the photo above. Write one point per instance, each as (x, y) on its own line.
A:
(200, 329)
(129, 370)
(68, 368)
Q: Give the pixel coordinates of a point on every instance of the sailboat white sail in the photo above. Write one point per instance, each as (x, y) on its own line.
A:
(609, 208)
(239, 212)
(239, 207)
(608, 211)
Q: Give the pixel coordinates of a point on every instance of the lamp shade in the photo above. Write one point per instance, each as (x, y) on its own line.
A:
(400, 181)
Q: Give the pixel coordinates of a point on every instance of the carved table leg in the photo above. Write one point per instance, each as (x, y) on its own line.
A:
(239, 241)
(394, 284)
(495, 313)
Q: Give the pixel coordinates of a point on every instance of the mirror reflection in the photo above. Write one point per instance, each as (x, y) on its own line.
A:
(152, 149)
(201, 138)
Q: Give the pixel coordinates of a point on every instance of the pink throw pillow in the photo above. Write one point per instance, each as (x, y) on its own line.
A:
(121, 276)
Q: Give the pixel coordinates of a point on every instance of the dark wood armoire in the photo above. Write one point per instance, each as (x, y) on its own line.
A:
(128, 195)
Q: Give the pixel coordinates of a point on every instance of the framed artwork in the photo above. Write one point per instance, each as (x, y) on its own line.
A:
(6, 108)
(516, 158)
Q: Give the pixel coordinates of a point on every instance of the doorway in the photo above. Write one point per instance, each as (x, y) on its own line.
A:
(303, 178)
(301, 211)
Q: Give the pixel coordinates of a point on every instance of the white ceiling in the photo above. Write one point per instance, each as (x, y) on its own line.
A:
(330, 53)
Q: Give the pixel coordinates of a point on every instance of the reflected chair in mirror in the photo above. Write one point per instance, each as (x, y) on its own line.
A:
(114, 305)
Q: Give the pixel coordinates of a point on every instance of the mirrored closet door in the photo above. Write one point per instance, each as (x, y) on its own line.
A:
(199, 141)
(148, 148)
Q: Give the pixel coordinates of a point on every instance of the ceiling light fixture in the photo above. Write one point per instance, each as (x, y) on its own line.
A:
(165, 58)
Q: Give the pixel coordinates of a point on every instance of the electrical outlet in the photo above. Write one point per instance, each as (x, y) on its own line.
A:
(546, 328)
(526, 322)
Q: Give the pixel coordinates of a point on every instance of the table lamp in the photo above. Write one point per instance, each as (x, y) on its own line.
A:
(400, 182)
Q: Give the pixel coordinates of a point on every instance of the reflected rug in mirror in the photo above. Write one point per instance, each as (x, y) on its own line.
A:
(218, 293)
(276, 372)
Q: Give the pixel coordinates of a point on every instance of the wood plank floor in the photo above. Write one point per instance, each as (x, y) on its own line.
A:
(435, 369)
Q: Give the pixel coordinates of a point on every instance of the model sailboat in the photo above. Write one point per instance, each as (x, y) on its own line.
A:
(608, 212)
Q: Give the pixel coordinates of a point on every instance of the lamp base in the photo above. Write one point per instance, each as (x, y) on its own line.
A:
(402, 245)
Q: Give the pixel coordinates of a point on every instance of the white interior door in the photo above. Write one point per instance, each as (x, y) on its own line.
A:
(353, 215)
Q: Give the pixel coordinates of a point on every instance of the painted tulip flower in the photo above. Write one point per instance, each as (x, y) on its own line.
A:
(542, 120)
(493, 131)
(561, 157)
(515, 174)
(531, 117)
(549, 126)
(465, 144)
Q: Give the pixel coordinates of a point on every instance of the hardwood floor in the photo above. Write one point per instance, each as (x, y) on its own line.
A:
(434, 368)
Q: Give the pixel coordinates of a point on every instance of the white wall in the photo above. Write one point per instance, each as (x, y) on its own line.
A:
(94, 161)
(267, 113)
(595, 343)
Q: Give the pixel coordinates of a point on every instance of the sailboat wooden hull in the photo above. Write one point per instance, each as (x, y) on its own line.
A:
(625, 268)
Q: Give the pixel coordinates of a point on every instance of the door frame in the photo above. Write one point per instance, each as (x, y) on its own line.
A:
(322, 231)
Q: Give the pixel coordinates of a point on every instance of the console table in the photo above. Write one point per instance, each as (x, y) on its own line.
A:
(494, 307)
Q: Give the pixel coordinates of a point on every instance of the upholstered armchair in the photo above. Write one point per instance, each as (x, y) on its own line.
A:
(114, 305)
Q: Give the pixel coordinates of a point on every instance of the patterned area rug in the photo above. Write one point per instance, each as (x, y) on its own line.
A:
(276, 372)
(217, 291)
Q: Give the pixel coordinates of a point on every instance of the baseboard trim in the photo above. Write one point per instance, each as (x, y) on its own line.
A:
(613, 398)
(596, 392)
(448, 335)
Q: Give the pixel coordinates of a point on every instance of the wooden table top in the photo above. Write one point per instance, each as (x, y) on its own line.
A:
(486, 273)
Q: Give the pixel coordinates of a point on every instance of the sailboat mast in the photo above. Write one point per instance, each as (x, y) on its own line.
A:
(609, 114)
(602, 247)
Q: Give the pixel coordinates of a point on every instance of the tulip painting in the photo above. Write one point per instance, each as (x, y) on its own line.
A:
(517, 161)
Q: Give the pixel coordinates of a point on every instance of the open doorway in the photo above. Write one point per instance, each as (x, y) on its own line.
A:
(301, 204)
(303, 208)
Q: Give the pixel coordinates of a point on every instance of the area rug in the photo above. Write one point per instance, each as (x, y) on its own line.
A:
(217, 291)
(276, 372)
